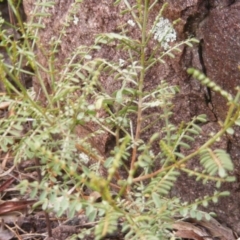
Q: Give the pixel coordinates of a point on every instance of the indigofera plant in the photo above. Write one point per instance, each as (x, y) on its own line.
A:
(134, 180)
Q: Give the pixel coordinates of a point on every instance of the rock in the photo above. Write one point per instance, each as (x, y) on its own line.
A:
(221, 51)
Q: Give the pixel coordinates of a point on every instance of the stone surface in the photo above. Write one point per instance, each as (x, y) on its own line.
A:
(221, 51)
(214, 22)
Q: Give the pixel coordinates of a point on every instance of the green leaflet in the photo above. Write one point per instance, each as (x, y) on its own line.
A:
(216, 161)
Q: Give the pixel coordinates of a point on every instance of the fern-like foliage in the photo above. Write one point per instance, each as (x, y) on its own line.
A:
(216, 161)
(163, 182)
(108, 224)
(135, 178)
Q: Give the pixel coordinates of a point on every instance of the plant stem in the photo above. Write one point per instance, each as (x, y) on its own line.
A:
(140, 87)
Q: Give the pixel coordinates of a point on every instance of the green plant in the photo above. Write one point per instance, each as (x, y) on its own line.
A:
(138, 197)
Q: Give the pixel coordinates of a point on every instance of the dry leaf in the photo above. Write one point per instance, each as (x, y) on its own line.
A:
(216, 229)
(188, 234)
(189, 228)
(6, 184)
(11, 206)
(204, 229)
(4, 105)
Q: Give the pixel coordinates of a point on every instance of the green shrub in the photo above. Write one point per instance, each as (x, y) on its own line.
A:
(139, 199)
